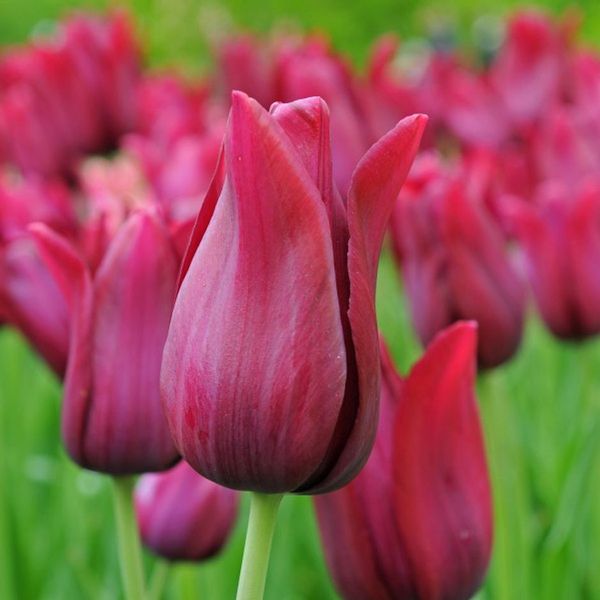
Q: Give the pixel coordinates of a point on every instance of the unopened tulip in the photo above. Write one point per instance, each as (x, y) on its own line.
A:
(270, 373)
(112, 417)
(455, 265)
(560, 237)
(416, 523)
(183, 516)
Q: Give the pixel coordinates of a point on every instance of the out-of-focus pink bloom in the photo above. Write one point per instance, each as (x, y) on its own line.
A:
(177, 143)
(170, 109)
(72, 95)
(417, 521)
(270, 371)
(29, 297)
(394, 97)
(472, 110)
(181, 174)
(244, 64)
(24, 201)
(455, 265)
(31, 301)
(112, 415)
(183, 516)
(528, 71)
(560, 237)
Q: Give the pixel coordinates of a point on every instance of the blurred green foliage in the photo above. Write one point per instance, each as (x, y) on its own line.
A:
(175, 31)
(541, 412)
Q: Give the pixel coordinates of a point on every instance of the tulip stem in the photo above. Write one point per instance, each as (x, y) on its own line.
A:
(261, 525)
(130, 551)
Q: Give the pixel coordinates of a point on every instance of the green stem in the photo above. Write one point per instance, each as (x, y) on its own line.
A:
(159, 580)
(261, 525)
(130, 552)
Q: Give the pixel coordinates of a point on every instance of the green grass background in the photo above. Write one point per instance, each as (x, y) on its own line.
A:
(541, 412)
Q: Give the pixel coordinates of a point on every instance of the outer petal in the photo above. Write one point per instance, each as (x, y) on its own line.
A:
(183, 516)
(442, 492)
(254, 367)
(32, 302)
(375, 186)
(73, 278)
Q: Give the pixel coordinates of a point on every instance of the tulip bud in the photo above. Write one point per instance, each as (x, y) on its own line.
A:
(560, 238)
(112, 417)
(417, 521)
(455, 265)
(270, 373)
(182, 516)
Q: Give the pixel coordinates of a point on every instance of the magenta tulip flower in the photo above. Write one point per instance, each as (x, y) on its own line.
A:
(183, 516)
(416, 524)
(560, 236)
(455, 264)
(270, 375)
(112, 418)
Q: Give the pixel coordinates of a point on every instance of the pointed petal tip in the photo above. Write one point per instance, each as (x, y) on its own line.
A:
(310, 104)
(416, 123)
(460, 330)
(458, 342)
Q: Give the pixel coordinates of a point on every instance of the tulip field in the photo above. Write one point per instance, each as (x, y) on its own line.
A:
(299, 304)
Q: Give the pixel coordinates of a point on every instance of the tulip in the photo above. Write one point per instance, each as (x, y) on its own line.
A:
(455, 265)
(417, 521)
(560, 238)
(112, 417)
(182, 516)
(270, 376)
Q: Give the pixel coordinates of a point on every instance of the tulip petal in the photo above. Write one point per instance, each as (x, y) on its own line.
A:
(375, 186)
(31, 301)
(73, 278)
(306, 123)
(484, 286)
(442, 491)
(261, 277)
